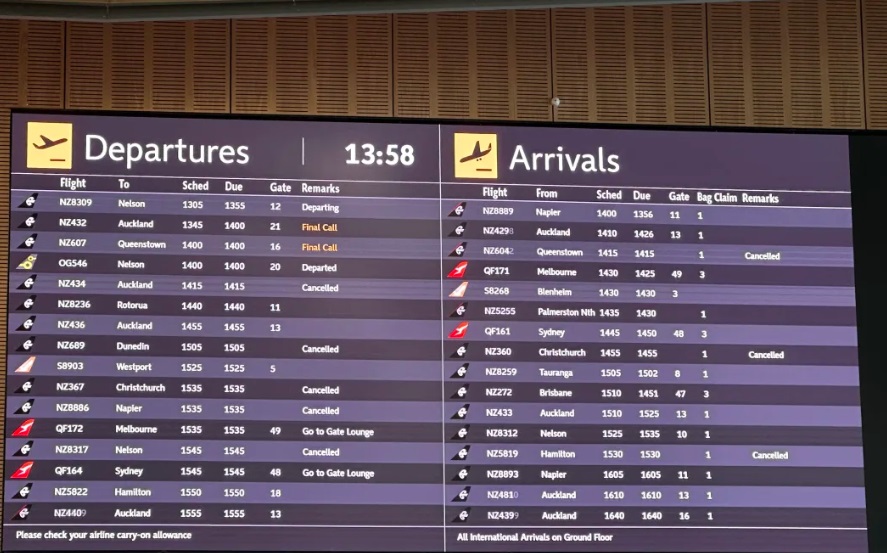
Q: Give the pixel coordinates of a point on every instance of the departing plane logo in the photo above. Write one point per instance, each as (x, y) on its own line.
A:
(29, 222)
(28, 283)
(23, 513)
(463, 515)
(28, 304)
(24, 492)
(28, 344)
(28, 242)
(475, 156)
(23, 471)
(25, 408)
(50, 145)
(25, 450)
(30, 201)
(24, 429)
(460, 311)
(27, 365)
(28, 323)
(27, 387)
(28, 262)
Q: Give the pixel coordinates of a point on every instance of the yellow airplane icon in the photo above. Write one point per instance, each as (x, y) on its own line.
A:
(50, 145)
(472, 159)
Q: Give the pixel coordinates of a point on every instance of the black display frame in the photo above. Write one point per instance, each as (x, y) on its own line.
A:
(868, 168)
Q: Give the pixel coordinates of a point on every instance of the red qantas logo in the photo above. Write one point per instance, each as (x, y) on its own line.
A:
(459, 270)
(23, 429)
(459, 331)
(23, 471)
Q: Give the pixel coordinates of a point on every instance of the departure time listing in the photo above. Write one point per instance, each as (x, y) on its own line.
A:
(303, 335)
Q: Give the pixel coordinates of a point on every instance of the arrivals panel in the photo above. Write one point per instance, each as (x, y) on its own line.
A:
(299, 335)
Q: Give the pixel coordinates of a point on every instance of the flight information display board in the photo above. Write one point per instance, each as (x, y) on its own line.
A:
(241, 334)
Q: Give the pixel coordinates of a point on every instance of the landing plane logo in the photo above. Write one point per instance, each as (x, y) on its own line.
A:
(460, 331)
(459, 291)
(463, 515)
(463, 495)
(462, 412)
(475, 156)
(462, 433)
(461, 371)
(459, 231)
(462, 475)
(458, 211)
(459, 250)
(460, 352)
(50, 145)
(460, 311)
(462, 454)
(459, 270)
(461, 393)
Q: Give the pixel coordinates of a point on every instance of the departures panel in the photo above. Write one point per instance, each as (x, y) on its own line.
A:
(242, 334)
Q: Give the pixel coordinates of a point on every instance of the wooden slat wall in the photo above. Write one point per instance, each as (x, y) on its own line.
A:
(794, 63)
(167, 66)
(487, 65)
(874, 32)
(337, 65)
(634, 64)
(32, 73)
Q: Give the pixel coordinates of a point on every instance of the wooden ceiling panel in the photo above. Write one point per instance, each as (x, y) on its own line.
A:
(794, 63)
(332, 65)
(487, 65)
(874, 24)
(631, 65)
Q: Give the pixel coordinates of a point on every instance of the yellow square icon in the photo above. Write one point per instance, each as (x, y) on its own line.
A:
(475, 156)
(49, 145)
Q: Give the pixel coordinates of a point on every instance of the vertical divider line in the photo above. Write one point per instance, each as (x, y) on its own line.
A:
(443, 416)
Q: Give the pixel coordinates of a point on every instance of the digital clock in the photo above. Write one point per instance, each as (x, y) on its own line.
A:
(390, 154)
